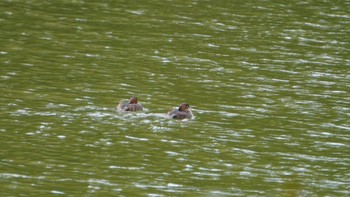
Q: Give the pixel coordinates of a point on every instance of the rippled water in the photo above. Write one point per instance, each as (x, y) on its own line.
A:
(268, 83)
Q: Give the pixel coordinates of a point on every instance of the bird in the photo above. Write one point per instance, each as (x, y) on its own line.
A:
(131, 105)
(182, 112)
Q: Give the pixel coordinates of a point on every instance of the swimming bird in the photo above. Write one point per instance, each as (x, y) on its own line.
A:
(182, 112)
(131, 105)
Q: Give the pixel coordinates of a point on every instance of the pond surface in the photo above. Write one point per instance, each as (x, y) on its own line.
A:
(268, 83)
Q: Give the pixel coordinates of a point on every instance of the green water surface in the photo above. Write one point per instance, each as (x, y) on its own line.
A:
(268, 83)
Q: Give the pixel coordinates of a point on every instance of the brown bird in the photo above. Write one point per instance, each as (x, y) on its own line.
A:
(182, 112)
(131, 105)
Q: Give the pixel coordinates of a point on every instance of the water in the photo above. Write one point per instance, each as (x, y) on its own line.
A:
(268, 83)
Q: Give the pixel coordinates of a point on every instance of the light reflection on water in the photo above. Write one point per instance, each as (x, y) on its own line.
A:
(268, 84)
